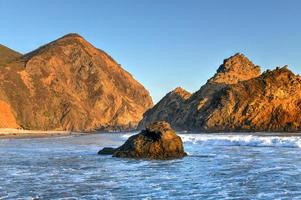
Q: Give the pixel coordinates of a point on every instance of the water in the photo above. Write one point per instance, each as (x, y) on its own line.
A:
(218, 167)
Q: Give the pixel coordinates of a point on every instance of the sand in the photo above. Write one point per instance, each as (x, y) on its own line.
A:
(10, 133)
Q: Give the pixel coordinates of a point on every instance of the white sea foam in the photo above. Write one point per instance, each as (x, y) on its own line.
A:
(243, 140)
(239, 140)
(127, 135)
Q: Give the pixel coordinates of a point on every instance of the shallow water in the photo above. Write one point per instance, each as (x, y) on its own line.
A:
(218, 167)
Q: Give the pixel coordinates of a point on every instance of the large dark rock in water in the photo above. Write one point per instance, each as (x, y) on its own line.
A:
(158, 141)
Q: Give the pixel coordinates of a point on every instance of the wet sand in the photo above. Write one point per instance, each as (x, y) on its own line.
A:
(9, 133)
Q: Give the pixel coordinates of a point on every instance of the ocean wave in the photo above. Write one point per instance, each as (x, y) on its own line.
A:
(239, 140)
(242, 140)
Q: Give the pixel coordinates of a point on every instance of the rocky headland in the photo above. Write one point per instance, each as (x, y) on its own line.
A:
(237, 98)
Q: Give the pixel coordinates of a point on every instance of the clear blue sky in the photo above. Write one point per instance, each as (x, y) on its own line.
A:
(163, 43)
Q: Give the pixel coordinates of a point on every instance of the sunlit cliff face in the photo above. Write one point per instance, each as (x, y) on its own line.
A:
(69, 84)
(236, 98)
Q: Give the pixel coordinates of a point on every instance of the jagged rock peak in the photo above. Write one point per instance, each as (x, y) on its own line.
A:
(181, 92)
(283, 69)
(234, 69)
(280, 73)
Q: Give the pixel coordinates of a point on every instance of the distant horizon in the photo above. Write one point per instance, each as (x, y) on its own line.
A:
(164, 50)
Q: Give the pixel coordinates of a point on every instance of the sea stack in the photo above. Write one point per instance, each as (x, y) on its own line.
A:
(158, 141)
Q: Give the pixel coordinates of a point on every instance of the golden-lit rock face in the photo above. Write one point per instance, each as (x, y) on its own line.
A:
(70, 85)
(7, 54)
(234, 69)
(7, 118)
(271, 102)
(238, 101)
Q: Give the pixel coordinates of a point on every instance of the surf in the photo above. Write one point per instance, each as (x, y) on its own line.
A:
(242, 140)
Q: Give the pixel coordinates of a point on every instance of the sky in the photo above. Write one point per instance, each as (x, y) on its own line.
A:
(163, 43)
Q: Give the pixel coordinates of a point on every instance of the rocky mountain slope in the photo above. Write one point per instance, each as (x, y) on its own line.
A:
(7, 54)
(271, 102)
(234, 69)
(239, 98)
(70, 85)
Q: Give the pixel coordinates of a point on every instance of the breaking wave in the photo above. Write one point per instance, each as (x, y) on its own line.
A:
(243, 140)
(238, 140)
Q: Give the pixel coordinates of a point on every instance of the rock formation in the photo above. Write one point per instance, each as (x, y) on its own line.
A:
(167, 108)
(270, 102)
(234, 69)
(70, 85)
(158, 141)
(238, 98)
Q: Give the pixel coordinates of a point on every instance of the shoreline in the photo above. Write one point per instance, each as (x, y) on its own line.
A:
(10, 133)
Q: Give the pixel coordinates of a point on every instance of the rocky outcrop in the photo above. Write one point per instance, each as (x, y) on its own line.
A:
(238, 98)
(166, 109)
(70, 85)
(234, 69)
(271, 102)
(158, 141)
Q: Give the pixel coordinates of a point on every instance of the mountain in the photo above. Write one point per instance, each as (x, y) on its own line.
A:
(7, 54)
(69, 84)
(238, 98)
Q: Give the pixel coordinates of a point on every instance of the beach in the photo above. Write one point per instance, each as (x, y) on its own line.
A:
(10, 133)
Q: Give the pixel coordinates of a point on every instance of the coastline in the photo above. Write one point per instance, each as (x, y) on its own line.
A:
(11, 133)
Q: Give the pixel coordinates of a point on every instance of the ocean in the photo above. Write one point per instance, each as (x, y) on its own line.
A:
(219, 166)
